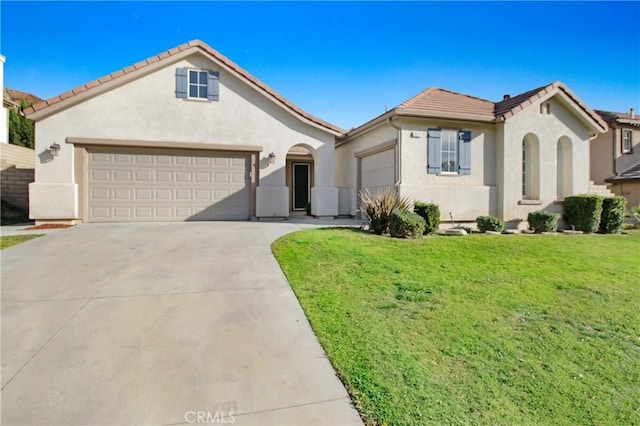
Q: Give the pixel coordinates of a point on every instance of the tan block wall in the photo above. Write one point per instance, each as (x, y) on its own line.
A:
(22, 158)
(14, 186)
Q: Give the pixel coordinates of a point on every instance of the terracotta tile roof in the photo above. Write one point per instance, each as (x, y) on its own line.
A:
(191, 45)
(631, 174)
(445, 102)
(509, 107)
(619, 117)
(436, 102)
(512, 103)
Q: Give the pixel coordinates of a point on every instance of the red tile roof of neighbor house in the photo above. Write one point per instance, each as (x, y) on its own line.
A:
(630, 117)
(191, 45)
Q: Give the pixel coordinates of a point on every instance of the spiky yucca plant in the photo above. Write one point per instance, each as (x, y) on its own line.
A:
(377, 208)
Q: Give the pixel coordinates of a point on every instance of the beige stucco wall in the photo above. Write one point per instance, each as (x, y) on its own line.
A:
(548, 128)
(346, 164)
(494, 186)
(464, 196)
(624, 161)
(602, 154)
(147, 109)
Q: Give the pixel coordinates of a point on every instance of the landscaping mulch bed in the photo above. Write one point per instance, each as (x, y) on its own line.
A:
(48, 226)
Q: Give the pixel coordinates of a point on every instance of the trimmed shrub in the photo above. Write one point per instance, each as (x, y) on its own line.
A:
(583, 212)
(489, 223)
(377, 209)
(431, 215)
(406, 224)
(612, 217)
(541, 221)
(307, 209)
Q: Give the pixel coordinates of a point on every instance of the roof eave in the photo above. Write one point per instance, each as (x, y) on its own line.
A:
(628, 122)
(118, 78)
(52, 106)
(587, 115)
(622, 179)
(347, 136)
(446, 116)
(409, 113)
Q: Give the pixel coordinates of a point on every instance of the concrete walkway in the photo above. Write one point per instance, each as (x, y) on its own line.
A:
(163, 324)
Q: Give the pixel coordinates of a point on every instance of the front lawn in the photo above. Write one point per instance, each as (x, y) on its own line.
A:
(12, 240)
(481, 329)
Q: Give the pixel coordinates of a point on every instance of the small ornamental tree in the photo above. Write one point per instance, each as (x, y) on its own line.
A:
(21, 129)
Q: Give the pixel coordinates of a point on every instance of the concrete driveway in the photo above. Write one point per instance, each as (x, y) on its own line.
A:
(163, 324)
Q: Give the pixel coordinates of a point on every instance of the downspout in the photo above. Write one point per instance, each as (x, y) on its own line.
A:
(399, 159)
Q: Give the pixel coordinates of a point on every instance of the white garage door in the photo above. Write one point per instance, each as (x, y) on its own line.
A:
(377, 171)
(170, 186)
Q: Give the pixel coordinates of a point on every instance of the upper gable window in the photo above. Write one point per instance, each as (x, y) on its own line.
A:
(627, 142)
(197, 84)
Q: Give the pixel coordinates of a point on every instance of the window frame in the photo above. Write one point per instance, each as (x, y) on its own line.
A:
(461, 150)
(629, 149)
(199, 85)
(455, 134)
(526, 170)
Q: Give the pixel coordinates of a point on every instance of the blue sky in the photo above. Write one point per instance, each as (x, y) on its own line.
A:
(343, 62)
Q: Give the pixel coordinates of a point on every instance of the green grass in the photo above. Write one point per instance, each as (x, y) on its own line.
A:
(13, 240)
(496, 330)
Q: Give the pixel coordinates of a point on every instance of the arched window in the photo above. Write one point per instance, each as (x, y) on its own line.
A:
(564, 173)
(530, 167)
(526, 165)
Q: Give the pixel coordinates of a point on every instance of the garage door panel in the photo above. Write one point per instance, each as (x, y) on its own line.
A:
(149, 187)
(103, 175)
(123, 212)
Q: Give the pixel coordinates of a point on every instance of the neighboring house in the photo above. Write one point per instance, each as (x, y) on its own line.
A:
(184, 135)
(189, 135)
(615, 155)
(472, 156)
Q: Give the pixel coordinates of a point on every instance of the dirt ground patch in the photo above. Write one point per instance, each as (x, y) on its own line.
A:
(47, 226)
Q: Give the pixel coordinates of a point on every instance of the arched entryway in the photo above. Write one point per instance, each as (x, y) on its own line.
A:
(299, 177)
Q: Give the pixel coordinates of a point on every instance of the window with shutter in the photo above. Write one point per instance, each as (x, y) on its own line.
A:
(464, 152)
(197, 84)
(434, 151)
(181, 83)
(213, 87)
(449, 152)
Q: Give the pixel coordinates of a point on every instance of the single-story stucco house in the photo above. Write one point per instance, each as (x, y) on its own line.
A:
(189, 135)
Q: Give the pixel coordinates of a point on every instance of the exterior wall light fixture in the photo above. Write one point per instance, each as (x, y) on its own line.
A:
(54, 149)
(272, 158)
